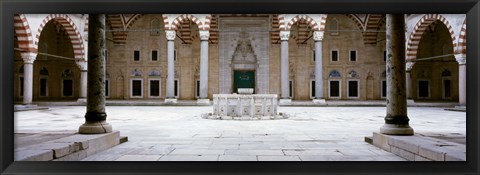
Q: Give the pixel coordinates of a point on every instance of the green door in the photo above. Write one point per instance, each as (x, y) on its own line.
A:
(243, 79)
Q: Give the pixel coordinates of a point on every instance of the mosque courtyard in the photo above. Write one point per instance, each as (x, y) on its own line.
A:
(179, 133)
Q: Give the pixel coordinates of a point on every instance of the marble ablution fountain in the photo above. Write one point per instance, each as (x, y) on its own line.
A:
(245, 106)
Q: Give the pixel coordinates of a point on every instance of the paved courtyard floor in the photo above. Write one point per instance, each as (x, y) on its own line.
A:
(178, 133)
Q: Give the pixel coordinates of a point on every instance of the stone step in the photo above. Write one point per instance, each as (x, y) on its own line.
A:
(70, 148)
(420, 148)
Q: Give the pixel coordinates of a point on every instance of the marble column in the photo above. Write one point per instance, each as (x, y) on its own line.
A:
(284, 66)
(396, 120)
(204, 35)
(82, 65)
(170, 98)
(462, 79)
(318, 37)
(408, 69)
(28, 59)
(96, 116)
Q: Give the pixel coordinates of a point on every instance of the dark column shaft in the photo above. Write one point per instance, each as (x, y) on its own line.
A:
(96, 69)
(396, 121)
(95, 118)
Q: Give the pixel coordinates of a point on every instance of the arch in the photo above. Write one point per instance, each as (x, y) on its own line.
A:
(119, 23)
(23, 33)
(372, 25)
(44, 71)
(70, 28)
(154, 72)
(179, 19)
(155, 26)
(420, 28)
(310, 21)
(360, 23)
(462, 40)
(334, 74)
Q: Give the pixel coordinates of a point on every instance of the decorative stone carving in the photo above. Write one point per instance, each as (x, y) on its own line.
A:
(334, 74)
(67, 73)
(284, 35)
(82, 65)
(170, 34)
(352, 74)
(409, 66)
(204, 35)
(245, 107)
(28, 57)
(136, 73)
(318, 35)
(154, 73)
(446, 73)
(461, 58)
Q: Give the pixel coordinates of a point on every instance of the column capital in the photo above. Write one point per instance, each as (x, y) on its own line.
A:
(461, 58)
(82, 65)
(204, 35)
(170, 34)
(284, 35)
(28, 57)
(318, 35)
(409, 66)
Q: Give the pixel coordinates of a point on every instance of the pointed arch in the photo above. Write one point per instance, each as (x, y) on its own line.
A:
(420, 28)
(184, 17)
(67, 23)
(310, 21)
(119, 24)
(462, 40)
(23, 33)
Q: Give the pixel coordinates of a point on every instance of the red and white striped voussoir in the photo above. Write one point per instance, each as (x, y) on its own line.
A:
(23, 33)
(70, 28)
(420, 28)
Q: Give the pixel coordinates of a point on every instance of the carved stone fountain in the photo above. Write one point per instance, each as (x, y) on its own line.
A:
(245, 106)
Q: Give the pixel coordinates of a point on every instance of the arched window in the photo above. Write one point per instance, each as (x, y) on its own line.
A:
(155, 27)
(154, 73)
(333, 27)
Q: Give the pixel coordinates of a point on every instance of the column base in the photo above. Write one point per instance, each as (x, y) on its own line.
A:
(82, 100)
(98, 127)
(393, 129)
(170, 100)
(319, 101)
(285, 101)
(203, 101)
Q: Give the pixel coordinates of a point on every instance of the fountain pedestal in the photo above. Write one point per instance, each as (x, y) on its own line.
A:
(245, 107)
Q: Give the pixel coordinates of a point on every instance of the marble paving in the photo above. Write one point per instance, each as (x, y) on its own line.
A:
(178, 133)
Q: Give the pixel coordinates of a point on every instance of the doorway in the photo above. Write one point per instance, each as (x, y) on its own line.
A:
(243, 79)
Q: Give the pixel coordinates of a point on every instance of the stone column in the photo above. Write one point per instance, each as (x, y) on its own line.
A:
(318, 37)
(396, 121)
(408, 68)
(82, 65)
(28, 59)
(96, 116)
(462, 79)
(284, 36)
(170, 98)
(204, 35)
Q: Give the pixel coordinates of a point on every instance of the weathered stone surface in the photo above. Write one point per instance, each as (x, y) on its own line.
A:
(33, 155)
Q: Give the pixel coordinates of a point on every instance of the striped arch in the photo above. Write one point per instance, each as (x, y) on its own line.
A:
(120, 23)
(358, 21)
(462, 40)
(372, 25)
(420, 28)
(23, 33)
(177, 22)
(72, 31)
(312, 23)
